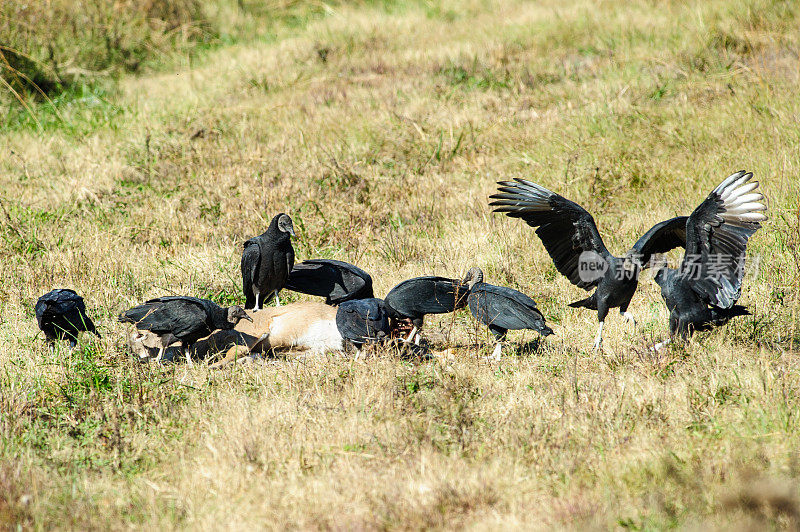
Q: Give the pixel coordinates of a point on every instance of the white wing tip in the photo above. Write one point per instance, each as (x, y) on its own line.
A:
(742, 203)
(530, 184)
(730, 179)
(747, 217)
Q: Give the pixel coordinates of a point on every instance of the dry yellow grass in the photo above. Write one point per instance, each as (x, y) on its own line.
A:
(382, 130)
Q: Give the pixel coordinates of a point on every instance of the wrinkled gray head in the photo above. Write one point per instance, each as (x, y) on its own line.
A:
(474, 275)
(285, 224)
(236, 313)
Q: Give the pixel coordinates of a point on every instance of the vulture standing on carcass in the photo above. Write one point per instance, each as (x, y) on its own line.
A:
(61, 314)
(503, 309)
(267, 260)
(570, 236)
(704, 290)
(335, 280)
(414, 298)
(182, 318)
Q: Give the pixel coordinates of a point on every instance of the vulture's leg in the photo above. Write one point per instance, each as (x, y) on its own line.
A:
(258, 306)
(662, 345)
(628, 317)
(413, 333)
(598, 341)
(166, 340)
(417, 337)
(264, 346)
(188, 355)
(277, 301)
(498, 350)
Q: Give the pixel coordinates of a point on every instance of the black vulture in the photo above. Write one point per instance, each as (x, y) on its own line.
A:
(182, 318)
(61, 314)
(503, 309)
(334, 280)
(703, 291)
(363, 321)
(266, 262)
(414, 298)
(570, 236)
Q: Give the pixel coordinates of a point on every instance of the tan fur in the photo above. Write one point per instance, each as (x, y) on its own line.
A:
(280, 328)
(297, 317)
(284, 327)
(298, 314)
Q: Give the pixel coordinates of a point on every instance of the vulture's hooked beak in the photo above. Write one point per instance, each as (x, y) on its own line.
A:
(238, 313)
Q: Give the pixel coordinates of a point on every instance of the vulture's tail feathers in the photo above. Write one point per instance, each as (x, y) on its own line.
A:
(590, 303)
(721, 316)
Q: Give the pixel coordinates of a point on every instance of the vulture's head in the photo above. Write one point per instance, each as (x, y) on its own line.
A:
(474, 276)
(236, 313)
(285, 224)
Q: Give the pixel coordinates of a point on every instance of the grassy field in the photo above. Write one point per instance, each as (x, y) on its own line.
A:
(381, 127)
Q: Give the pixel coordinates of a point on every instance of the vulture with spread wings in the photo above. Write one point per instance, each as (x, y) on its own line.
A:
(570, 236)
(704, 290)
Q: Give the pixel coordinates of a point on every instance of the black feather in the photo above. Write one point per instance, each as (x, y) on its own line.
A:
(61, 314)
(363, 321)
(661, 238)
(267, 260)
(504, 309)
(334, 280)
(702, 293)
(186, 318)
(415, 298)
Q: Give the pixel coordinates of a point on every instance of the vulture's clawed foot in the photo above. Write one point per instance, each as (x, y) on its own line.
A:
(629, 318)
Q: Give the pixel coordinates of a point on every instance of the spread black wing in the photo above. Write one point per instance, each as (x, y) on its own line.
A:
(427, 295)
(661, 238)
(716, 239)
(336, 281)
(565, 228)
